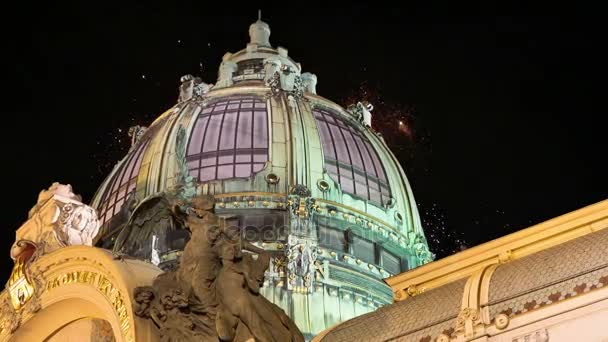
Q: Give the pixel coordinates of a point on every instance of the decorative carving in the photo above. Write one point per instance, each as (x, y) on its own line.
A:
(226, 71)
(272, 179)
(301, 256)
(443, 338)
(300, 190)
(272, 66)
(467, 320)
(400, 294)
(192, 87)
(309, 82)
(505, 256)
(9, 318)
(59, 219)
(422, 250)
(214, 294)
(136, 133)
(414, 290)
(20, 288)
(541, 335)
(501, 321)
(300, 202)
(285, 78)
(361, 111)
(322, 269)
(278, 266)
(288, 78)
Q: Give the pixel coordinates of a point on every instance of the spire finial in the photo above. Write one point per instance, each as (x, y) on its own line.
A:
(259, 32)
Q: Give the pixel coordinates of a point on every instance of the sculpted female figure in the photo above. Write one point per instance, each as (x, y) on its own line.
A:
(242, 311)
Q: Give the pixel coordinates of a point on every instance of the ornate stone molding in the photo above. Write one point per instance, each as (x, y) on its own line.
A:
(47, 274)
(467, 321)
(58, 220)
(541, 335)
(301, 258)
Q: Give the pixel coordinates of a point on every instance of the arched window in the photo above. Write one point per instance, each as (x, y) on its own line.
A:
(123, 182)
(229, 139)
(350, 159)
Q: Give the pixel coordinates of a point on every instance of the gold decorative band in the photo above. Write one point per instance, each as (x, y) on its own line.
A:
(102, 284)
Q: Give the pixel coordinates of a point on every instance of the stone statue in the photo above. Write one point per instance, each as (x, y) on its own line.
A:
(310, 82)
(301, 256)
(422, 250)
(192, 86)
(227, 70)
(59, 219)
(362, 111)
(186, 88)
(272, 67)
(136, 133)
(288, 77)
(214, 294)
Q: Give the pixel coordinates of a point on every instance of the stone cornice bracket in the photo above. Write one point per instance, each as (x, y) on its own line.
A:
(410, 291)
(474, 315)
(505, 256)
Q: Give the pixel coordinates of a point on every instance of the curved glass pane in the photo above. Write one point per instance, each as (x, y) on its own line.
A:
(229, 139)
(123, 182)
(350, 158)
(121, 185)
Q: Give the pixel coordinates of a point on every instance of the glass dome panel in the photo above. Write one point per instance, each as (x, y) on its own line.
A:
(350, 158)
(229, 139)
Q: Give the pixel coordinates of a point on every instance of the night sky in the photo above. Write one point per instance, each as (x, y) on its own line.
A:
(501, 108)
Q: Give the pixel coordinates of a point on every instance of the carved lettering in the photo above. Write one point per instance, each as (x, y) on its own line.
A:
(105, 287)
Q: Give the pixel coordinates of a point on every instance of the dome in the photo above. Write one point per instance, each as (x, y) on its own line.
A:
(299, 173)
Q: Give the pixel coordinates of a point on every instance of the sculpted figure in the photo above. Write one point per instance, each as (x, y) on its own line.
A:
(136, 133)
(272, 66)
(227, 70)
(186, 88)
(192, 86)
(288, 78)
(366, 109)
(59, 219)
(310, 82)
(215, 292)
(422, 250)
(362, 111)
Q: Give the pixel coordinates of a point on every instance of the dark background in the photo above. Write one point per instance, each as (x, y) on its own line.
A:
(503, 106)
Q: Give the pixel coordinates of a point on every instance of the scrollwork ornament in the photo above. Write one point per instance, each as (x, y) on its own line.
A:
(443, 338)
(501, 321)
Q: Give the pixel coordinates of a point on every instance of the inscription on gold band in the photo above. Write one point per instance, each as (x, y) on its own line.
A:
(105, 287)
